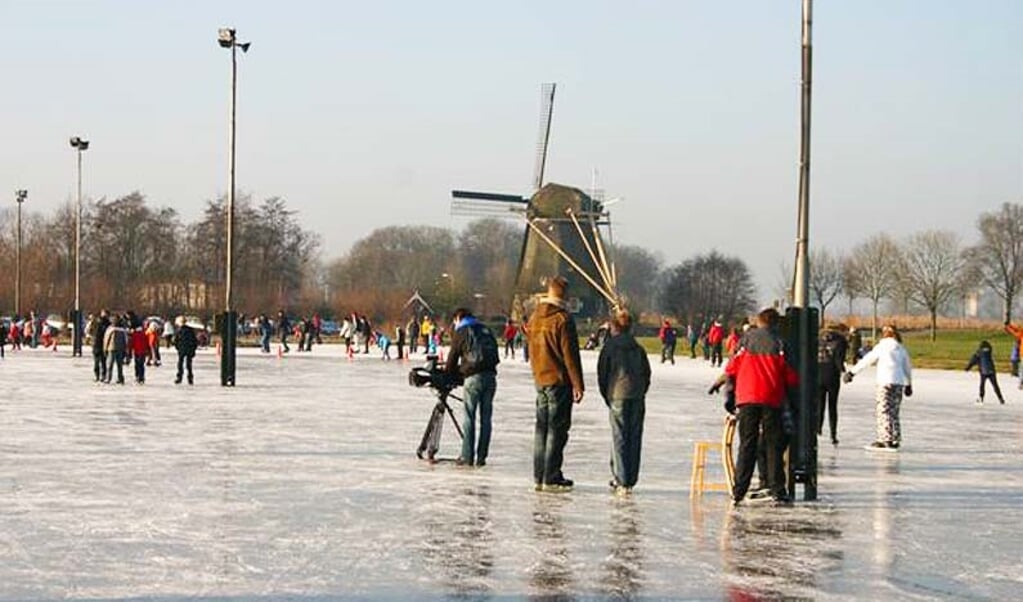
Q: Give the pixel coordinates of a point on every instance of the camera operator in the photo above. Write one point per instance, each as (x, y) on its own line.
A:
(474, 356)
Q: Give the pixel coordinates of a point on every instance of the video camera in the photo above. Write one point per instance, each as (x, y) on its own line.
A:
(433, 376)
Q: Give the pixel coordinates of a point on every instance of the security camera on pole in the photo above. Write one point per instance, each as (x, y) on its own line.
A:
(227, 38)
(79, 144)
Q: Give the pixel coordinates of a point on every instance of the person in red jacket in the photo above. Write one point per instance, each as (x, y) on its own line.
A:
(510, 332)
(761, 380)
(715, 339)
(139, 345)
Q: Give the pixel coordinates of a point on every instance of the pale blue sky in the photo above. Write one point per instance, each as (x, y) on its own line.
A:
(366, 114)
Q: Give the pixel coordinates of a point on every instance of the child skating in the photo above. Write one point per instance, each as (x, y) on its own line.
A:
(985, 363)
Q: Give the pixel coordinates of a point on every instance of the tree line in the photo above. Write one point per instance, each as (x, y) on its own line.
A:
(146, 258)
(135, 255)
(930, 270)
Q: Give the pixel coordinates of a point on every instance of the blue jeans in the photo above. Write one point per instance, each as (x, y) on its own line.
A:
(479, 393)
(626, 416)
(264, 342)
(553, 420)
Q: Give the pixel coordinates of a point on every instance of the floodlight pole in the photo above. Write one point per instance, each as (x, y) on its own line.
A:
(79, 145)
(20, 197)
(803, 463)
(227, 38)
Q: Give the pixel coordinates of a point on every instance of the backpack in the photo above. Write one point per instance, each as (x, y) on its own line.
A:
(481, 353)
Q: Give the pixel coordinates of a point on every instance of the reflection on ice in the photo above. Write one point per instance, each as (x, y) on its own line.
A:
(622, 576)
(302, 483)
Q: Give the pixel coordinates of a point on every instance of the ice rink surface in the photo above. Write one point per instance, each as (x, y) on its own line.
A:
(301, 483)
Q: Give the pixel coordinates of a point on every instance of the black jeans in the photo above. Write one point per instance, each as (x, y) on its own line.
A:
(828, 398)
(184, 363)
(99, 365)
(553, 420)
(994, 385)
(754, 418)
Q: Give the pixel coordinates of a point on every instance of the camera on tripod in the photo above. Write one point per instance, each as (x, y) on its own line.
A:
(433, 376)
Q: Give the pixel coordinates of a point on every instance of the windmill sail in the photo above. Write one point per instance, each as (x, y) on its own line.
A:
(544, 135)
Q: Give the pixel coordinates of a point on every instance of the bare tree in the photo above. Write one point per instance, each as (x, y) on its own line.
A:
(825, 278)
(708, 286)
(998, 258)
(849, 283)
(934, 270)
(638, 272)
(872, 269)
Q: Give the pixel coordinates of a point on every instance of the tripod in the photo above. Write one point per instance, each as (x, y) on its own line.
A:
(431, 437)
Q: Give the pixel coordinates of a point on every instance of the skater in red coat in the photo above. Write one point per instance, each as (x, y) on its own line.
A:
(140, 351)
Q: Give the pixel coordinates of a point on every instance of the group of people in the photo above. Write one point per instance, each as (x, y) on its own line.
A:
(31, 331)
(623, 374)
(760, 385)
(119, 339)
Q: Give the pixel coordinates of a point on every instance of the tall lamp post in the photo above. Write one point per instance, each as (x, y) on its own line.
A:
(803, 319)
(20, 196)
(227, 38)
(80, 145)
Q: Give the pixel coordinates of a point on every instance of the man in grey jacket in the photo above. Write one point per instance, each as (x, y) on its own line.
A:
(623, 373)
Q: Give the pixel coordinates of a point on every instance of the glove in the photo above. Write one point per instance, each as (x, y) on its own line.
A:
(788, 425)
(715, 388)
(908, 391)
(730, 404)
(847, 377)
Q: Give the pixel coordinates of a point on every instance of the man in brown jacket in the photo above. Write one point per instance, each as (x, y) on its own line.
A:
(558, 376)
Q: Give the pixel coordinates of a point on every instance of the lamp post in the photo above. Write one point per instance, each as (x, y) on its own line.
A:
(803, 318)
(80, 145)
(20, 196)
(227, 38)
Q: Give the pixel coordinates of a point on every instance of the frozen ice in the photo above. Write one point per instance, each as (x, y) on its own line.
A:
(302, 483)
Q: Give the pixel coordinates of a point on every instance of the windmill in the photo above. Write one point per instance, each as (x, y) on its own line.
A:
(562, 233)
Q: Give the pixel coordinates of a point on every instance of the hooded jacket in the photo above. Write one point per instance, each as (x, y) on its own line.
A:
(892, 359)
(761, 374)
(623, 369)
(554, 346)
(983, 360)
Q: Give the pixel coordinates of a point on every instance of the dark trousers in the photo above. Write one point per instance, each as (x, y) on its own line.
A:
(99, 365)
(553, 420)
(140, 368)
(626, 416)
(413, 343)
(994, 385)
(715, 355)
(828, 398)
(284, 343)
(668, 352)
(754, 418)
(509, 348)
(115, 358)
(401, 351)
(184, 363)
(692, 348)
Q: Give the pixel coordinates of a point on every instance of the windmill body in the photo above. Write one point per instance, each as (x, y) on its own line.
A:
(562, 233)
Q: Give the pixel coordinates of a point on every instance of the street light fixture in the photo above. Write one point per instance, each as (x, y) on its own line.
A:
(227, 38)
(80, 145)
(19, 196)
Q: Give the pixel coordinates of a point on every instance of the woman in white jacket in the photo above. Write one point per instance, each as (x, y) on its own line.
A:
(894, 379)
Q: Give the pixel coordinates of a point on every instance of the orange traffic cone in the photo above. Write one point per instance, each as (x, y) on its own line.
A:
(280, 352)
(218, 348)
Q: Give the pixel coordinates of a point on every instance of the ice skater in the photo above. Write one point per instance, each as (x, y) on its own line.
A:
(831, 351)
(985, 364)
(623, 373)
(186, 343)
(894, 380)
